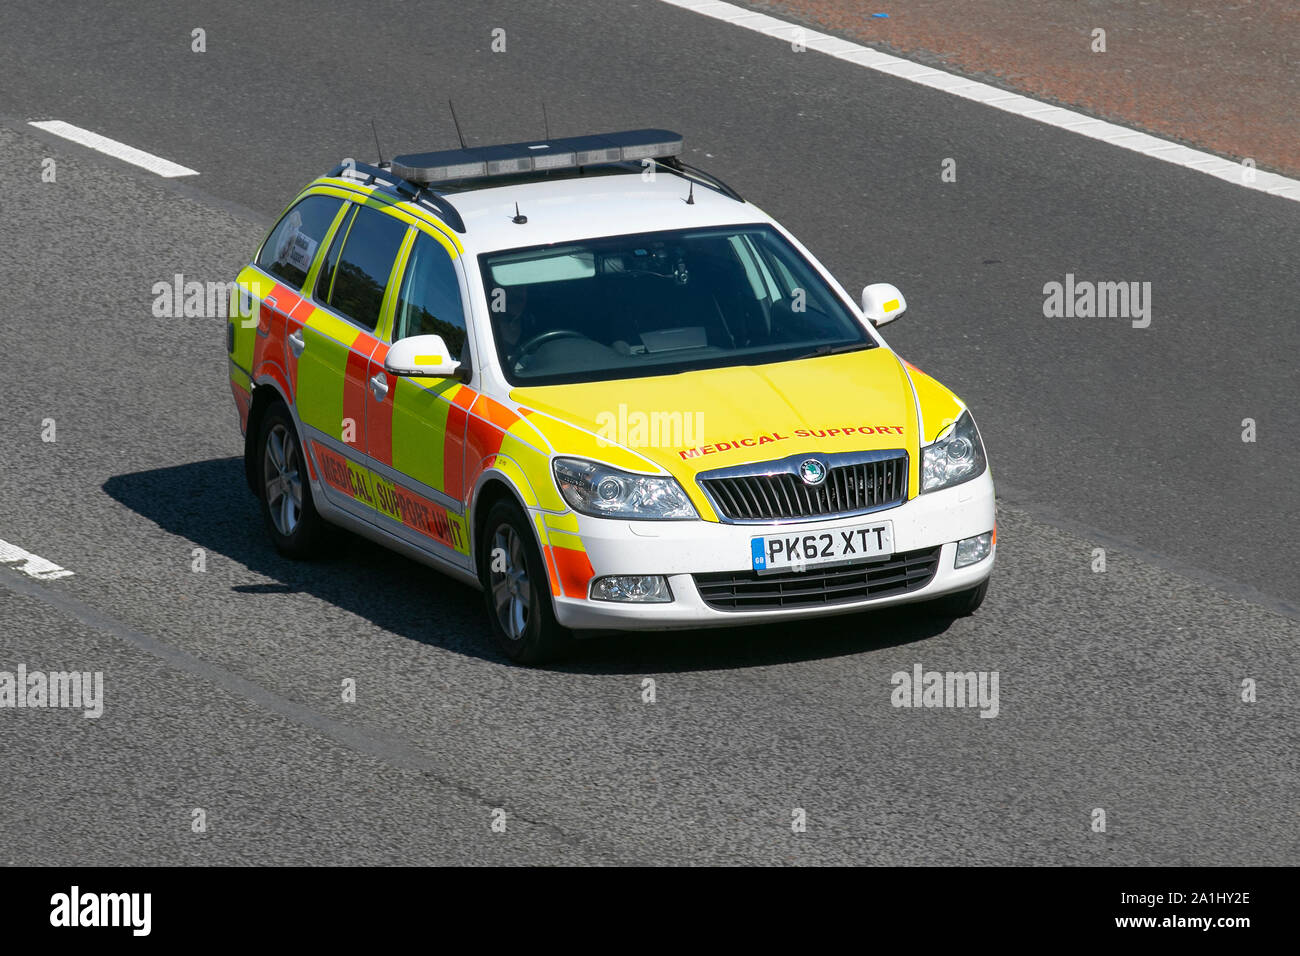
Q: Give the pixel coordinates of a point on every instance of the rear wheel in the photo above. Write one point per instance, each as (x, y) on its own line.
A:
(514, 579)
(291, 519)
(961, 603)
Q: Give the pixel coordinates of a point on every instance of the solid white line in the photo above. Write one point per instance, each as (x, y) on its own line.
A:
(129, 154)
(30, 564)
(1115, 135)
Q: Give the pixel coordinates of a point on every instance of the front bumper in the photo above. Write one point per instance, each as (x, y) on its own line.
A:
(682, 549)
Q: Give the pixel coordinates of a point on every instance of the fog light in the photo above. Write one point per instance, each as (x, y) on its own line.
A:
(632, 588)
(974, 550)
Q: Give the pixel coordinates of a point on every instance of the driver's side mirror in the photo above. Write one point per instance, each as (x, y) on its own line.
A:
(882, 303)
(421, 356)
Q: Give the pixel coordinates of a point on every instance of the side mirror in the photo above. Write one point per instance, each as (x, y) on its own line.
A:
(882, 303)
(421, 356)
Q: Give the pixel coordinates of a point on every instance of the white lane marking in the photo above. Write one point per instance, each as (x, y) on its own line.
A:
(1032, 109)
(30, 564)
(129, 154)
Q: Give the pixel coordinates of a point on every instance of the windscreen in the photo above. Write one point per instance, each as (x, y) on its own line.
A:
(659, 303)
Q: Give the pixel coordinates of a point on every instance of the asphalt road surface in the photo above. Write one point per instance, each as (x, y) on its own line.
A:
(1119, 690)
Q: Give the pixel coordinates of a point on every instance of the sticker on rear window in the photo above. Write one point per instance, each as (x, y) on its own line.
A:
(302, 252)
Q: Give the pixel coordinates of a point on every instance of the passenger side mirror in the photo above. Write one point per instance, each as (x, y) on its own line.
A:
(882, 303)
(421, 356)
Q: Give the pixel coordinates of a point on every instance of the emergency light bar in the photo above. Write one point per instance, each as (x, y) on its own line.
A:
(538, 156)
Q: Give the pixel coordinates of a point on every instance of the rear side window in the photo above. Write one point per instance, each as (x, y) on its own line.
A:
(289, 251)
(429, 303)
(360, 261)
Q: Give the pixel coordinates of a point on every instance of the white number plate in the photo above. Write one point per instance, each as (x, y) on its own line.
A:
(807, 549)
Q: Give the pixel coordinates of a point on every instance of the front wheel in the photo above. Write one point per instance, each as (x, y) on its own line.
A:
(514, 586)
(291, 518)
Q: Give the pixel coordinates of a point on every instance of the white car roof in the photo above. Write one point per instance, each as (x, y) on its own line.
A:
(574, 208)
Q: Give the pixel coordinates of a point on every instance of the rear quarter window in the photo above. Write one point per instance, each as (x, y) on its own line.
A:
(288, 252)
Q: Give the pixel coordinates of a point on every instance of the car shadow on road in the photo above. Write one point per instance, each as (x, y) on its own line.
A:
(208, 503)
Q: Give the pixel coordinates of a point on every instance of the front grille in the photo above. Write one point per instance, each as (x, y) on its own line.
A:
(750, 591)
(848, 488)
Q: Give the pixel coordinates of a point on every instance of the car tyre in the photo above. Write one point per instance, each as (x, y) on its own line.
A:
(515, 591)
(297, 530)
(961, 603)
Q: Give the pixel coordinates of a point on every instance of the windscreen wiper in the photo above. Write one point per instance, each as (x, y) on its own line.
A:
(837, 349)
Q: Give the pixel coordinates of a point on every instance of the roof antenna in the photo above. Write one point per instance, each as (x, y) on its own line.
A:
(546, 122)
(690, 198)
(519, 219)
(381, 164)
(459, 135)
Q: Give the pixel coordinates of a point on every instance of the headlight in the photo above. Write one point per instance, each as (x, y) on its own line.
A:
(957, 456)
(609, 493)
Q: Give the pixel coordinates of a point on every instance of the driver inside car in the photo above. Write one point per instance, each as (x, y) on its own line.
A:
(511, 321)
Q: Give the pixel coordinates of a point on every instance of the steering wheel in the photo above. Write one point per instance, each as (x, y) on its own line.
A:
(537, 340)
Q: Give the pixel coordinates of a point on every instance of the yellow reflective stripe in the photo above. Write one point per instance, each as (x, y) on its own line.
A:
(448, 239)
(329, 293)
(411, 215)
(387, 308)
(565, 522)
(342, 332)
(386, 500)
(321, 370)
(246, 324)
(348, 192)
(322, 252)
(362, 490)
(461, 535)
(240, 377)
(562, 539)
(420, 430)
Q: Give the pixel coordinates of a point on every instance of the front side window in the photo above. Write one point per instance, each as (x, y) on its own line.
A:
(660, 303)
(354, 276)
(429, 301)
(292, 245)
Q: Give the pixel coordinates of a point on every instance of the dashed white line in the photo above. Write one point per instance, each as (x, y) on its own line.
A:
(1024, 106)
(32, 565)
(111, 147)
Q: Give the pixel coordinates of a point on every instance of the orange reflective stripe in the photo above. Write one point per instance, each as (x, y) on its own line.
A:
(550, 570)
(453, 446)
(334, 468)
(379, 416)
(575, 571)
(268, 343)
(297, 317)
(354, 397)
(488, 423)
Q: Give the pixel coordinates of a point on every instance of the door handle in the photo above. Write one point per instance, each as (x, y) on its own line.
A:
(297, 342)
(270, 300)
(379, 385)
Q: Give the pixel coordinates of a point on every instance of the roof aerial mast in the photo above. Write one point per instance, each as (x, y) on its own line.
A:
(378, 151)
(459, 135)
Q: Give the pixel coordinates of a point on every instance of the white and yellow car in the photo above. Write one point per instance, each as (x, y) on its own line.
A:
(598, 384)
